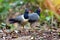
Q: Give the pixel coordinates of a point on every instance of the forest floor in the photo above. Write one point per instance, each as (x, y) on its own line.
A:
(38, 35)
(44, 33)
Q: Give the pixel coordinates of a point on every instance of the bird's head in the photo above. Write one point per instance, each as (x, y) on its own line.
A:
(26, 13)
(38, 11)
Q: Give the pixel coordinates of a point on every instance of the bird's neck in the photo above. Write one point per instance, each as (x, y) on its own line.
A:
(26, 15)
(38, 13)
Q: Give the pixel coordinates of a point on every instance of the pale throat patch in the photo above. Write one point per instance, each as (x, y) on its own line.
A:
(24, 18)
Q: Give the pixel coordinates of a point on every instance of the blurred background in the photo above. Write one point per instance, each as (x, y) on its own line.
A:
(50, 11)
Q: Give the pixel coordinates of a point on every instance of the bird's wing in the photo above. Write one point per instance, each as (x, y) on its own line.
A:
(33, 16)
(21, 18)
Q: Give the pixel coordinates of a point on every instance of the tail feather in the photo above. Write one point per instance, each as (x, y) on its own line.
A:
(12, 21)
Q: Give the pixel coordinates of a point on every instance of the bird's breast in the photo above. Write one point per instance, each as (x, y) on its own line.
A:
(33, 16)
(24, 20)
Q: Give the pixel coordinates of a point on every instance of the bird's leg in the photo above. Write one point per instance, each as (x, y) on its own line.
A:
(31, 25)
(23, 27)
(15, 25)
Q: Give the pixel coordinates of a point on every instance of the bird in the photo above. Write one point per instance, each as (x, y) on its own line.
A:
(34, 17)
(21, 19)
(26, 17)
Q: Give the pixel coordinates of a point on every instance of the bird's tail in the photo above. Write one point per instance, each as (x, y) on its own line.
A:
(12, 20)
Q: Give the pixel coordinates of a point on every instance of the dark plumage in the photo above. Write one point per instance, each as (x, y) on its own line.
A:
(34, 16)
(26, 14)
(26, 17)
(20, 18)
